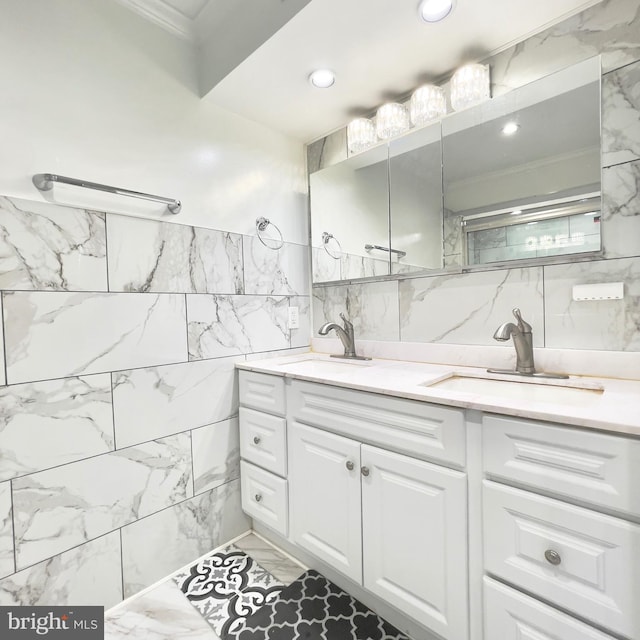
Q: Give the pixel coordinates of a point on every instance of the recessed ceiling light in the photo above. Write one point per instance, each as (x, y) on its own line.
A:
(435, 10)
(322, 78)
(510, 128)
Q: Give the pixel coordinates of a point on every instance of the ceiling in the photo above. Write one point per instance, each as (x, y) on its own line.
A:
(255, 55)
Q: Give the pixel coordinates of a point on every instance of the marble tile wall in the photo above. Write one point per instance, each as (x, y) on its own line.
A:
(118, 415)
(466, 308)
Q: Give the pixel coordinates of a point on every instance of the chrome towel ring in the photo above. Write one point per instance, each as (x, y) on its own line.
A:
(261, 226)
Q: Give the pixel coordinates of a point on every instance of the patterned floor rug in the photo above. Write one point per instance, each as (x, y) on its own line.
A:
(312, 608)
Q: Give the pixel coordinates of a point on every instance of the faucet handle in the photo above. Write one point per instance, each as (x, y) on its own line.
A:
(525, 327)
(347, 325)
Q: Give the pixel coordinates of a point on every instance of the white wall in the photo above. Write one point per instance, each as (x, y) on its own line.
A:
(93, 91)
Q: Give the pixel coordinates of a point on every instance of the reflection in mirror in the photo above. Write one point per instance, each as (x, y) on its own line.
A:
(522, 172)
(349, 210)
(415, 190)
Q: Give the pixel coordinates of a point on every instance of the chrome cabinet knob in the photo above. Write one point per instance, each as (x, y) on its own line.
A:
(552, 557)
(256, 439)
(364, 471)
(350, 465)
(258, 497)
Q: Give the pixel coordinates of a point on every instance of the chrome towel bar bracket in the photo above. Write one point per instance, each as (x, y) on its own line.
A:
(44, 182)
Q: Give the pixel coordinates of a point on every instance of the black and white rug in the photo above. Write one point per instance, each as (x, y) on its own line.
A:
(226, 587)
(312, 608)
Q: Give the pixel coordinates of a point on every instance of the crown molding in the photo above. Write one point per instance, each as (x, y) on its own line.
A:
(164, 16)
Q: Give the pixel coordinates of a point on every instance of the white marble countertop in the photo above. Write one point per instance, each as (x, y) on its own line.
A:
(598, 403)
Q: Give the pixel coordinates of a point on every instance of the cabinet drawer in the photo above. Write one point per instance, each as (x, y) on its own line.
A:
(264, 497)
(262, 392)
(583, 561)
(263, 440)
(510, 615)
(406, 426)
(591, 467)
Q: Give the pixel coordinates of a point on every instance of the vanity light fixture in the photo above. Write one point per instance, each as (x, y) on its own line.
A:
(510, 128)
(470, 85)
(435, 10)
(392, 119)
(428, 103)
(361, 134)
(322, 78)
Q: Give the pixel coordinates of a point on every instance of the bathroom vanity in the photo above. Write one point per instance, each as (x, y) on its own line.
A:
(460, 505)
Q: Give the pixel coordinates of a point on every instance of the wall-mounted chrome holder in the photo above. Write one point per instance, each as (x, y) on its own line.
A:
(371, 247)
(326, 239)
(44, 182)
(262, 224)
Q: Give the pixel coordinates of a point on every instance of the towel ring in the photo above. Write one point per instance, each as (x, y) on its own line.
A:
(326, 239)
(261, 225)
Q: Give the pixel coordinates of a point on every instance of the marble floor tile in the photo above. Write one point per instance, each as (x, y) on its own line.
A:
(51, 423)
(160, 614)
(7, 565)
(216, 455)
(272, 559)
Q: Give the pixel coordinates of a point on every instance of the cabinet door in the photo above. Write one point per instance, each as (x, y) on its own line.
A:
(415, 539)
(324, 481)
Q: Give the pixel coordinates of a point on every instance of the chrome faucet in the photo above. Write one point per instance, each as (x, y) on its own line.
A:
(522, 341)
(346, 337)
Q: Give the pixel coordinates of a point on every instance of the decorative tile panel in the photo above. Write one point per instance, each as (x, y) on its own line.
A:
(60, 508)
(49, 247)
(54, 335)
(149, 256)
(87, 575)
(51, 423)
(159, 401)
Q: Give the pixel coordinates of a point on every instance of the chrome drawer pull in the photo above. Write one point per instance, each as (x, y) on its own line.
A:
(258, 497)
(350, 465)
(256, 439)
(552, 557)
(364, 471)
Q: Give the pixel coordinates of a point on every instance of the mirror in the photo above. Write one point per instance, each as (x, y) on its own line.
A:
(531, 190)
(459, 193)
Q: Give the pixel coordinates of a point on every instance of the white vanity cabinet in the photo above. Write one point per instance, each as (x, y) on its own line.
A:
(263, 450)
(578, 545)
(391, 522)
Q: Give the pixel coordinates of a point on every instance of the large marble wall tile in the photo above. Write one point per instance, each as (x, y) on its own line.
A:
(327, 151)
(3, 379)
(301, 337)
(149, 256)
(53, 335)
(283, 271)
(468, 308)
(609, 28)
(160, 401)
(354, 266)
(87, 575)
(57, 509)
(326, 268)
(51, 423)
(229, 325)
(6, 531)
(45, 246)
(216, 455)
(621, 210)
(621, 115)
(372, 307)
(156, 546)
(607, 324)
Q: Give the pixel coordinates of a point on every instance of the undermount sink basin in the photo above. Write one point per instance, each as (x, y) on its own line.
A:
(531, 389)
(317, 366)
